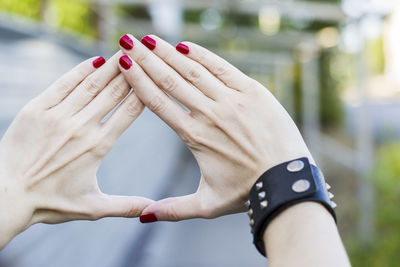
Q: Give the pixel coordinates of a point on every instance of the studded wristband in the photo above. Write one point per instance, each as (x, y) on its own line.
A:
(282, 186)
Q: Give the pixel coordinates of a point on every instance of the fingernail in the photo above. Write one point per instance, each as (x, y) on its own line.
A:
(184, 49)
(98, 62)
(150, 43)
(125, 62)
(148, 218)
(126, 42)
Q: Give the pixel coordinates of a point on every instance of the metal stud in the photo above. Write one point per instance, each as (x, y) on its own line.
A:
(247, 204)
(251, 223)
(301, 186)
(295, 166)
(261, 195)
(328, 186)
(250, 212)
(259, 185)
(263, 204)
(330, 195)
(333, 204)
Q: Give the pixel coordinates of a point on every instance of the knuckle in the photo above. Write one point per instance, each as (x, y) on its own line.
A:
(222, 72)
(193, 75)
(92, 86)
(168, 55)
(118, 90)
(203, 55)
(101, 146)
(133, 211)
(168, 83)
(157, 104)
(191, 137)
(142, 56)
(134, 106)
(63, 85)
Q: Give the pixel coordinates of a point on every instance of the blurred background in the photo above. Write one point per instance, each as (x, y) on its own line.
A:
(333, 64)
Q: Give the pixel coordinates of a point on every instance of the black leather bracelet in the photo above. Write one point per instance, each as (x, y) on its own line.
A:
(282, 186)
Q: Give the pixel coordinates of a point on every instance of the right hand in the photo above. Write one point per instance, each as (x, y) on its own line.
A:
(234, 126)
(50, 154)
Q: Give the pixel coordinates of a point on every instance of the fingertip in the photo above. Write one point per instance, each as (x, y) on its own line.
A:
(98, 62)
(125, 62)
(149, 42)
(183, 48)
(126, 42)
(148, 218)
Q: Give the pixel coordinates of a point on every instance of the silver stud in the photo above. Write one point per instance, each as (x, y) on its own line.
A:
(250, 213)
(263, 204)
(301, 186)
(330, 195)
(251, 223)
(333, 205)
(261, 195)
(259, 185)
(295, 166)
(247, 204)
(328, 186)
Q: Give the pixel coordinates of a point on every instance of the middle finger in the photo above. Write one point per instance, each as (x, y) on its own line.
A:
(165, 77)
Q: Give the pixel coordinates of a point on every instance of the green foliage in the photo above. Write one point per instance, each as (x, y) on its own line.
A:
(375, 55)
(27, 8)
(77, 16)
(331, 109)
(385, 250)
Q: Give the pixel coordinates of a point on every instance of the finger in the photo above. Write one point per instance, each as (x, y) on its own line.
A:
(164, 76)
(90, 87)
(172, 209)
(68, 82)
(123, 117)
(218, 66)
(106, 101)
(121, 206)
(150, 94)
(189, 69)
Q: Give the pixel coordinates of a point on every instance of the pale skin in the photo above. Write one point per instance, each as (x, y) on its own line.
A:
(236, 130)
(233, 125)
(50, 154)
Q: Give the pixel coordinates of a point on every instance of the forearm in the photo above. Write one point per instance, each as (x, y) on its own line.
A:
(304, 235)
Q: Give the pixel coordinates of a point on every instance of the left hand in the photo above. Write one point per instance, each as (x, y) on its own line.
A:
(50, 154)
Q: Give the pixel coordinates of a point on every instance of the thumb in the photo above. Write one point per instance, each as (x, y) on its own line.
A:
(173, 209)
(122, 206)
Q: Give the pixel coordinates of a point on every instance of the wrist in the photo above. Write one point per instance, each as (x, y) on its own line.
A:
(281, 187)
(16, 209)
(304, 234)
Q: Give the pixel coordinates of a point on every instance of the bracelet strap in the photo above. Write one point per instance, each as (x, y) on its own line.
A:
(282, 186)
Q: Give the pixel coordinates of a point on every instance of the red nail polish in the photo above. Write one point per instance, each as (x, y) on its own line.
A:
(148, 218)
(184, 49)
(126, 42)
(98, 62)
(150, 43)
(125, 62)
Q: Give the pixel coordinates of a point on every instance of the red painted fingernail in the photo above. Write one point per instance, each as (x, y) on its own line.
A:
(126, 42)
(148, 218)
(184, 49)
(150, 43)
(98, 62)
(125, 62)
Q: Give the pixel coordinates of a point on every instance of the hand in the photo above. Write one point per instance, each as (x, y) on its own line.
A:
(50, 154)
(233, 125)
